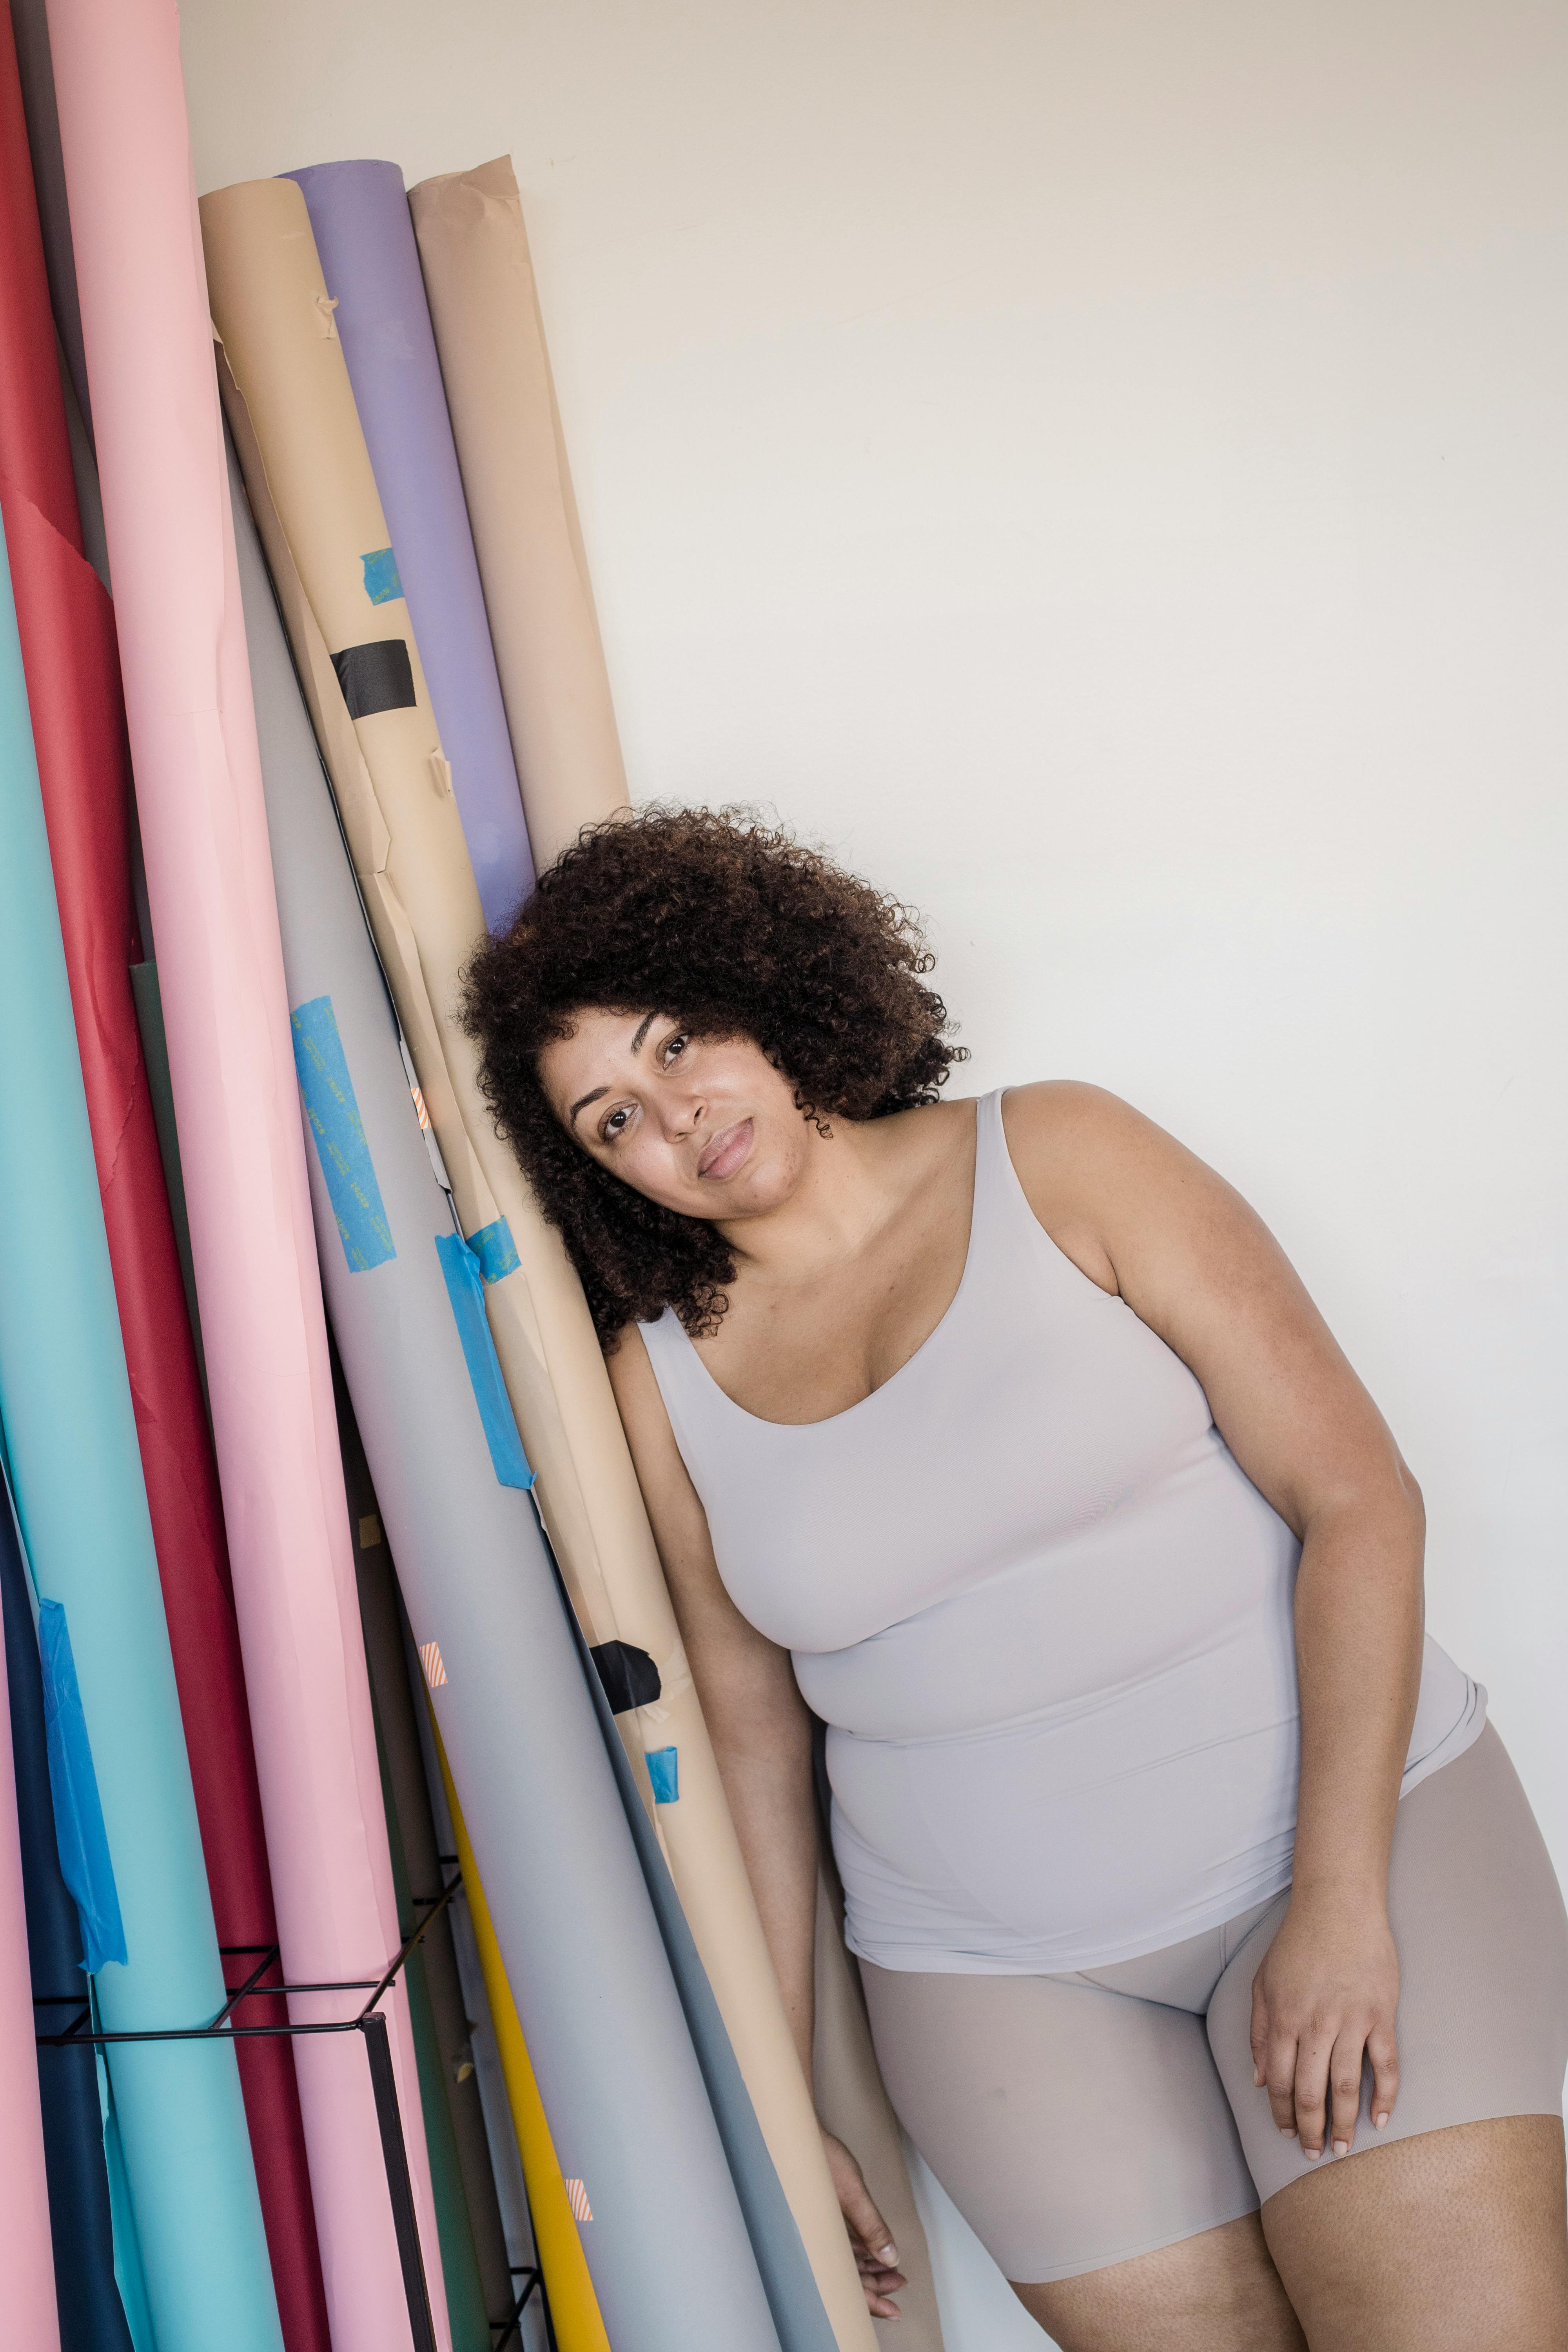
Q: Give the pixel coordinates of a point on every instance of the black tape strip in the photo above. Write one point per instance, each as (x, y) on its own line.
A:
(629, 1676)
(378, 677)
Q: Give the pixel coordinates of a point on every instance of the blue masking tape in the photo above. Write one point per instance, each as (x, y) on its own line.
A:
(381, 581)
(83, 1842)
(664, 1771)
(466, 1290)
(327, 1091)
(496, 1251)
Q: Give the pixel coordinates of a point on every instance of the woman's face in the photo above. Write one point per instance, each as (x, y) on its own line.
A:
(703, 1125)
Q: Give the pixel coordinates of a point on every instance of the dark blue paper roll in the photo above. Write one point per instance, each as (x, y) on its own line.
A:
(92, 2318)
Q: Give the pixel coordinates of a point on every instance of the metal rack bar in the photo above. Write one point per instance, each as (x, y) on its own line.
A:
(369, 2023)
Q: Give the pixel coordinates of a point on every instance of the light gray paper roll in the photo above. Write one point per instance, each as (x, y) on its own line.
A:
(668, 2250)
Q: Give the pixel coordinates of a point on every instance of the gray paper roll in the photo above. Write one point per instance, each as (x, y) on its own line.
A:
(671, 2265)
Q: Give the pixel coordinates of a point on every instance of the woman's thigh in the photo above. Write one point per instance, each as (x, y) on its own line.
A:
(1482, 1937)
(1446, 2229)
(1073, 2127)
(1448, 2242)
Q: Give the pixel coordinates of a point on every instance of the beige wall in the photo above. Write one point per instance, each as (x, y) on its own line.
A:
(1102, 468)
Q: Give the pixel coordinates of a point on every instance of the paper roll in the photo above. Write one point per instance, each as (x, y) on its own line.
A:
(399, 1726)
(26, 2260)
(66, 628)
(81, 2226)
(147, 332)
(577, 2320)
(365, 241)
(854, 2107)
(479, 279)
(311, 486)
(583, 1954)
(70, 1438)
(484, 304)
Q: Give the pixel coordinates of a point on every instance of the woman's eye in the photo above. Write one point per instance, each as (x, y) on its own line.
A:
(615, 1125)
(676, 1045)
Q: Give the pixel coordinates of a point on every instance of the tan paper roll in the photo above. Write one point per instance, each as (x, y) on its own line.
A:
(479, 279)
(854, 2107)
(310, 479)
(490, 334)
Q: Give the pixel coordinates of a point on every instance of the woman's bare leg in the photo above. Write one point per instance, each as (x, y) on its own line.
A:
(1452, 2242)
(1218, 2292)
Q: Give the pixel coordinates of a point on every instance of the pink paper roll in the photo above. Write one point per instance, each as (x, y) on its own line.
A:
(209, 874)
(26, 2256)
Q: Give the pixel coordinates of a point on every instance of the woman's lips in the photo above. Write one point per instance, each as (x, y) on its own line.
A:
(726, 1154)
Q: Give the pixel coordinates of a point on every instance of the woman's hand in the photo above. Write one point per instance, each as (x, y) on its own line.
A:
(1326, 1992)
(875, 2256)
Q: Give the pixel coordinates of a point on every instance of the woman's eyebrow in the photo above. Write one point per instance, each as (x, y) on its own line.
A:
(643, 1028)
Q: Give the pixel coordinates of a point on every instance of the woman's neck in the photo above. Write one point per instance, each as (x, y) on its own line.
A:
(854, 1183)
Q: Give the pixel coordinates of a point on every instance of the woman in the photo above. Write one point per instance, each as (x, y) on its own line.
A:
(1002, 1437)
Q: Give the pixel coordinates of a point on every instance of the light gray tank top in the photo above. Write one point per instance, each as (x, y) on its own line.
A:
(1044, 1614)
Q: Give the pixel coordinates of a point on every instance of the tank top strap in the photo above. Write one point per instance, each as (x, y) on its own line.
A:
(670, 1352)
(1002, 1224)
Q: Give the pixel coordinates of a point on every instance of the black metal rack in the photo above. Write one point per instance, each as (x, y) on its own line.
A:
(368, 2022)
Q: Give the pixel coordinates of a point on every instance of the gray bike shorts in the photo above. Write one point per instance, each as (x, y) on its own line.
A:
(1077, 2121)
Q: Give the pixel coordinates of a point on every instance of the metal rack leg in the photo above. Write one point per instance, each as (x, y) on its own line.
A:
(378, 2050)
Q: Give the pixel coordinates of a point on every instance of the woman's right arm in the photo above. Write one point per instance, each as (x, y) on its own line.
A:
(761, 1732)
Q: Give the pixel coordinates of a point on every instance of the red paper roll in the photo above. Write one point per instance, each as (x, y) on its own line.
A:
(68, 650)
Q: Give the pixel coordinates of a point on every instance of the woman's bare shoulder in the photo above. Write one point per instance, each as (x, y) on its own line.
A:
(1081, 1154)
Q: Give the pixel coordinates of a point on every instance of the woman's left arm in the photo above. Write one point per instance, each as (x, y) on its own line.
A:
(1141, 1216)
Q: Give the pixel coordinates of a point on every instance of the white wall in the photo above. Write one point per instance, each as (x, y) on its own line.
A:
(1100, 465)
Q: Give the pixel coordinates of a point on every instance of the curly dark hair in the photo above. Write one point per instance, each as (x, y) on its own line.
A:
(732, 928)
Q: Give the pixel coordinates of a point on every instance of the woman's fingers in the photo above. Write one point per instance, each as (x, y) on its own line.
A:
(875, 2256)
(1344, 2087)
(1384, 2052)
(1312, 2087)
(1279, 2058)
(1324, 2004)
(1314, 2082)
(1258, 2034)
(865, 2223)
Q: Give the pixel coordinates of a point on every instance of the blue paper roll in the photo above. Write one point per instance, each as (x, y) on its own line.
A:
(70, 1435)
(92, 2317)
(365, 240)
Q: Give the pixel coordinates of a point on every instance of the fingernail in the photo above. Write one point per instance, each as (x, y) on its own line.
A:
(1341, 2147)
(1286, 2132)
(888, 2254)
(1313, 2154)
(1380, 2121)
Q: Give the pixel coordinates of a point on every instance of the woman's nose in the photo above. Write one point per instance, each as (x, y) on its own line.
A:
(682, 1116)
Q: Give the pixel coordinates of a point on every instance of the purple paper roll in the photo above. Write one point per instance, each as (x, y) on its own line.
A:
(360, 214)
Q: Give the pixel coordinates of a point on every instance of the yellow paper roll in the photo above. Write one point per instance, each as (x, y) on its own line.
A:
(573, 2308)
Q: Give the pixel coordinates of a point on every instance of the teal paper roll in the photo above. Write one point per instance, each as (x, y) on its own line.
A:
(70, 1434)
